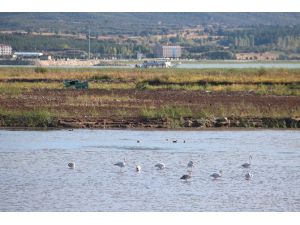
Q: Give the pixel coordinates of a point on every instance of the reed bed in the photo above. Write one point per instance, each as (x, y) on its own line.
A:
(163, 75)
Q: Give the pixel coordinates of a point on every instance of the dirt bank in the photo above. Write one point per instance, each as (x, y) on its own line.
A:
(180, 123)
(121, 108)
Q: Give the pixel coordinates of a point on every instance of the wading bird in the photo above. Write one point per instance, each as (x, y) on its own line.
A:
(71, 165)
(217, 175)
(248, 164)
(160, 166)
(121, 164)
(190, 164)
(248, 176)
(187, 176)
(138, 168)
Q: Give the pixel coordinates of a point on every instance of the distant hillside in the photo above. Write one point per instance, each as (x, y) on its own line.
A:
(135, 23)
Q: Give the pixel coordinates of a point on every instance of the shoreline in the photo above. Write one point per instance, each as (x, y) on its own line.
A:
(139, 123)
(216, 129)
(102, 63)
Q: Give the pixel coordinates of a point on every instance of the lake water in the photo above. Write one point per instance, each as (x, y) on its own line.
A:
(196, 65)
(237, 65)
(34, 174)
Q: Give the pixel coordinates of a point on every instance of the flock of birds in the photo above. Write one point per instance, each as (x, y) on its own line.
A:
(185, 177)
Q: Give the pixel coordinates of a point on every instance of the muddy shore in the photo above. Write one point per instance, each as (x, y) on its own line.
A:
(144, 123)
(121, 109)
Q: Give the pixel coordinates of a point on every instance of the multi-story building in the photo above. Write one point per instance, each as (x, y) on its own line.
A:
(5, 50)
(167, 51)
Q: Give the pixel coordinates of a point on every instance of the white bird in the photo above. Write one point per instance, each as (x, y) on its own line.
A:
(71, 165)
(248, 176)
(187, 176)
(217, 175)
(160, 166)
(190, 164)
(248, 164)
(121, 164)
(138, 168)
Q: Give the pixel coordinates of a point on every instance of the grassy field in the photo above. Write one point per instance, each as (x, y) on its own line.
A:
(268, 81)
(37, 96)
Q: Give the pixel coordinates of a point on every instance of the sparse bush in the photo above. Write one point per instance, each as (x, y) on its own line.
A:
(100, 78)
(40, 70)
(142, 85)
(167, 112)
(262, 71)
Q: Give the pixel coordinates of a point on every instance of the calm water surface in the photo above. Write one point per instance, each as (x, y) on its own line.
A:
(196, 65)
(34, 174)
(238, 65)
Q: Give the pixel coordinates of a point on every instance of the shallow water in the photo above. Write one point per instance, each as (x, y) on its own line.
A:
(238, 65)
(34, 174)
(197, 65)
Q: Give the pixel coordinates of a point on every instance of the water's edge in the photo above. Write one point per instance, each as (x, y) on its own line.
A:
(157, 123)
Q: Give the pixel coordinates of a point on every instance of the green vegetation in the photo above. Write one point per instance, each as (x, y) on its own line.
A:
(178, 97)
(260, 81)
(279, 37)
(40, 70)
(35, 118)
(243, 115)
(171, 112)
(71, 46)
(134, 23)
(17, 88)
(123, 35)
(244, 110)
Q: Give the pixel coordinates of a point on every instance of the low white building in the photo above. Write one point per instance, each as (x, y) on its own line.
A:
(5, 50)
(28, 54)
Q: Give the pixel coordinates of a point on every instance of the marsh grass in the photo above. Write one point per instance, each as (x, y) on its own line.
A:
(218, 110)
(89, 103)
(102, 77)
(258, 89)
(172, 112)
(261, 81)
(96, 100)
(17, 88)
(40, 70)
(35, 118)
(111, 86)
(169, 75)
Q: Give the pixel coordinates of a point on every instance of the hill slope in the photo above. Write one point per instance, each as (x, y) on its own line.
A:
(129, 23)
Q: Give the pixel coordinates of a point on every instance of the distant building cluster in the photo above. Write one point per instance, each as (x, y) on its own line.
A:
(5, 50)
(167, 51)
(257, 56)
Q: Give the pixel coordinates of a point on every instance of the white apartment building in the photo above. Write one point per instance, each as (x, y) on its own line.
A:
(5, 50)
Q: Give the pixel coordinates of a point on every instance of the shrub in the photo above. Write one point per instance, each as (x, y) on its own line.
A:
(40, 70)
